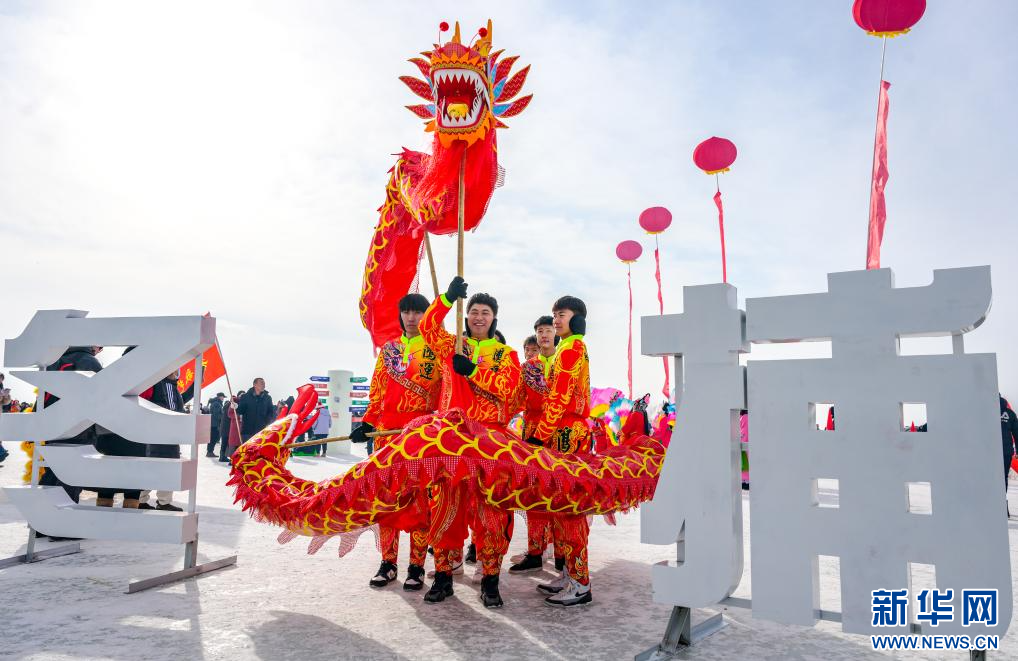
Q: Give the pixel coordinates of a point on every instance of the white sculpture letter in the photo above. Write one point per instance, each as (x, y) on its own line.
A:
(698, 503)
(873, 458)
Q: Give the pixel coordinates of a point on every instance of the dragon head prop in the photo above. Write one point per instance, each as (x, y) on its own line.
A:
(468, 88)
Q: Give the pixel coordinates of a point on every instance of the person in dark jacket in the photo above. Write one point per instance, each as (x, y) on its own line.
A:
(1008, 434)
(75, 359)
(216, 411)
(165, 394)
(256, 410)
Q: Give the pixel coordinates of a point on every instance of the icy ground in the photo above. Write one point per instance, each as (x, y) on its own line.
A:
(279, 603)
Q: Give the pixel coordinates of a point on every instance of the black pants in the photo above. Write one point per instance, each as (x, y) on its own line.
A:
(50, 479)
(118, 446)
(214, 436)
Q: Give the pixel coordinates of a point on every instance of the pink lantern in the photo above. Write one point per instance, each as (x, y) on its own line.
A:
(714, 155)
(628, 251)
(655, 220)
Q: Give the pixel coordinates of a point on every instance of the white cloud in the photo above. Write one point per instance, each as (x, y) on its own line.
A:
(171, 159)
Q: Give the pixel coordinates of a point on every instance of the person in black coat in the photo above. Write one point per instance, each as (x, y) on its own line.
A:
(164, 394)
(215, 434)
(75, 359)
(1008, 434)
(256, 410)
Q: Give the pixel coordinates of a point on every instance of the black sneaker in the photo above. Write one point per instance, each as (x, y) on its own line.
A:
(386, 574)
(224, 460)
(560, 564)
(414, 578)
(145, 506)
(168, 507)
(529, 563)
(471, 558)
(489, 592)
(440, 589)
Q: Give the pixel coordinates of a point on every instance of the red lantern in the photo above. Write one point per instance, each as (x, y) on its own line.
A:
(887, 18)
(714, 155)
(655, 220)
(628, 251)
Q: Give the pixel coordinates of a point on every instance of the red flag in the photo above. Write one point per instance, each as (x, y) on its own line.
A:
(878, 210)
(912, 428)
(212, 369)
(830, 419)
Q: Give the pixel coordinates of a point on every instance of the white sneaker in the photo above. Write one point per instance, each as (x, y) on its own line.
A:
(555, 586)
(575, 594)
(478, 574)
(457, 569)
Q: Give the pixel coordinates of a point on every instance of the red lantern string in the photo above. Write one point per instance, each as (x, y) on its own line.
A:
(882, 18)
(714, 156)
(667, 389)
(628, 252)
(656, 220)
(721, 226)
(629, 353)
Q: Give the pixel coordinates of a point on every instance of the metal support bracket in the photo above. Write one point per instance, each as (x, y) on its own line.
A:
(681, 632)
(35, 556)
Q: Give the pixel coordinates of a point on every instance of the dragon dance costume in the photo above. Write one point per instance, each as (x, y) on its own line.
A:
(404, 386)
(563, 427)
(486, 397)
(462, 453)
(533, 393)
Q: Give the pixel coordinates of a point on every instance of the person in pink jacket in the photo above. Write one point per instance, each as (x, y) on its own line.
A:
(234, 421)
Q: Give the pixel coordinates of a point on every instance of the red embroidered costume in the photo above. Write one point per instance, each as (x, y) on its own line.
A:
(486, 397)
(563, 427)
(404, 386)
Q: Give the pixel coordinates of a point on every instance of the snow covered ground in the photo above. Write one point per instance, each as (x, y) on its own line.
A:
(279, 603)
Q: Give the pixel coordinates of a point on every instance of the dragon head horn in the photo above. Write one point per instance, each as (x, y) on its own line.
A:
(483, 45)
(456, 34)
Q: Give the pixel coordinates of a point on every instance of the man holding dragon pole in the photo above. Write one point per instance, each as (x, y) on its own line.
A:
(484, 383)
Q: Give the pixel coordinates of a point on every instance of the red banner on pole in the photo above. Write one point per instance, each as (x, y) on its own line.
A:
(212, 369)
(878, 209)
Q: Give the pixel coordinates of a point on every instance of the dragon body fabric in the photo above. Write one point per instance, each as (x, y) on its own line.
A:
(469, 90)
(440, 452)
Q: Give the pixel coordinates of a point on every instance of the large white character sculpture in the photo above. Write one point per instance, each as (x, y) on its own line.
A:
(109, 399)
(874, 529)
(698, 502)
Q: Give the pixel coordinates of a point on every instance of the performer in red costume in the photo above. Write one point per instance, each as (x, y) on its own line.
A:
(533, 393)
(404, 386)
(484, 383)
(563, 427)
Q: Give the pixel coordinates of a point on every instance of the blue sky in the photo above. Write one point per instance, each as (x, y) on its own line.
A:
(178, 158)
